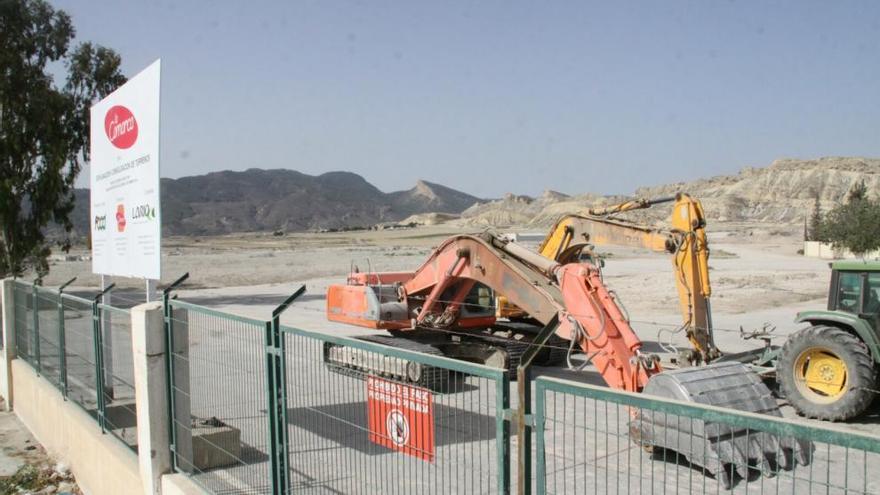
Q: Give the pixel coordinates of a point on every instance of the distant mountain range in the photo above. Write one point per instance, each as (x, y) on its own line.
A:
(269, 200)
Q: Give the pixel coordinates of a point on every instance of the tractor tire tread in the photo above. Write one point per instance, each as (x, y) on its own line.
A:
(860, 365)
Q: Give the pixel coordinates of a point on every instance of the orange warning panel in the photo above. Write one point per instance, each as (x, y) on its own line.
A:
(401, 417)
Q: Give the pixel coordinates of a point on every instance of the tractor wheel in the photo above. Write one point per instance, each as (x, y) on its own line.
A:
(826, 373)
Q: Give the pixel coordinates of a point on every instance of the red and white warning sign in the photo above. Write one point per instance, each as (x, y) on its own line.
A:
(401, 417)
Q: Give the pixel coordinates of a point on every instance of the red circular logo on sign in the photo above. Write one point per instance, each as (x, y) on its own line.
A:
(121, 127)
(120, 217)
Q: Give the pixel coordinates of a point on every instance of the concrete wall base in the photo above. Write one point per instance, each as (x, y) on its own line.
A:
(179, 484)
(101, 464)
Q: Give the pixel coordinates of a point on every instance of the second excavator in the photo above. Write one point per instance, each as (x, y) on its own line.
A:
(573, 235)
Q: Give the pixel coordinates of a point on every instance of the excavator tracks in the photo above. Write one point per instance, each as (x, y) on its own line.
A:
(496, 349)
(358, 363)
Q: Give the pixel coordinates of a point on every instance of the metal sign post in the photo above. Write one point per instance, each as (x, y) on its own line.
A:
(150, 289)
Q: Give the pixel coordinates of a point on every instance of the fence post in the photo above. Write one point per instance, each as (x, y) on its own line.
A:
(151, 400)
(36, 354)
(540, 462)
(7, 299)
(524, 420)
(99, 369)
(502, 433)
(62, 352)
(107, 338)
(169, 378)
(62, 340)
(272, 409)
(170, 346)
(276, 367)
(99, 358)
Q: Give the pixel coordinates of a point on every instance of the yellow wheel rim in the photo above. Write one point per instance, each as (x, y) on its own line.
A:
(820, 375)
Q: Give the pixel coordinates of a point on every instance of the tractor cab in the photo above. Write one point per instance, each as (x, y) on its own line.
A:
(855, 289)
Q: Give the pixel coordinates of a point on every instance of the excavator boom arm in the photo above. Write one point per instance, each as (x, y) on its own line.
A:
(572, 292)
(685, 241)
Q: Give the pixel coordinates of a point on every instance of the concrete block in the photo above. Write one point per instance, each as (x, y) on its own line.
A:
(179, 484)
(215, 444)
(121, 414)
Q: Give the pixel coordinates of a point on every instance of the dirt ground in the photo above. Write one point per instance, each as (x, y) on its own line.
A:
(25, 467)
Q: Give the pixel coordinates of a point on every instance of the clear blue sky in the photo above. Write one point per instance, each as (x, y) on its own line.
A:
(495, 96)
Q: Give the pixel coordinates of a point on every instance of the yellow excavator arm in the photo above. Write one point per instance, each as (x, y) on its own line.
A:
(573, 235)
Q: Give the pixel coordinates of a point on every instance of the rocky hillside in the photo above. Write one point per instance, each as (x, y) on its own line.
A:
(783, 192)
(524, 210)
(261, 200)
(430, 197)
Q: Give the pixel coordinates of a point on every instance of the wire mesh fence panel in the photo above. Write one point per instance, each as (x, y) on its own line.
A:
(365, 418)
(595, 440)
(24, 321)
(120, 414)
(79, 347)
(219, 387)
(49, 342)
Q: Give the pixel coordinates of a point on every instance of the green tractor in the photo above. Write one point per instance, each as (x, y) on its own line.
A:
(829, 370)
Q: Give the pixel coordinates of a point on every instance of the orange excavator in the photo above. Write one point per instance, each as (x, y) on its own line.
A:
(446, 307)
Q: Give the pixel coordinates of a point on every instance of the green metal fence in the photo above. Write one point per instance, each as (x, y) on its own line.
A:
(80, 357)
(23, 295)
(120, 412)
(84, 349)
(335, 446)
(291, 411)
(257, 408)
(219, 399)
(585, 435)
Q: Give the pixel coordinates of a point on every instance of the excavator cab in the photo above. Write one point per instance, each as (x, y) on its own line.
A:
(376, 300)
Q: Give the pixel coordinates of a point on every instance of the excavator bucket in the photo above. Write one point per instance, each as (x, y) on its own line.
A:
(719, 448)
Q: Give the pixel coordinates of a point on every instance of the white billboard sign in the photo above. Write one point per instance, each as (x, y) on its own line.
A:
(125, 213)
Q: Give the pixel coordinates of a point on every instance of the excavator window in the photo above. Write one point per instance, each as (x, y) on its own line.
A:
(480, 301)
